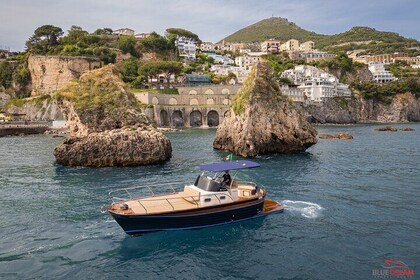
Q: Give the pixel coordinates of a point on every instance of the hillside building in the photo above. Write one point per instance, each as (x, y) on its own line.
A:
(124, 31)
(308, 46)
(186, 48)
(220, 59)
(241, 73)
(291, 45)
(207, 47)
(380, 74)
(270, 46)
(142, 35)
(249, 59)
(312, 85)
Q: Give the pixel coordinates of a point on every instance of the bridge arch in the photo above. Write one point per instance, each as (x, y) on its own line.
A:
(177, 119)
(164, 118)
(173, 101)
(225, 91)
(213, 118)
(196, 119)
(155, 100)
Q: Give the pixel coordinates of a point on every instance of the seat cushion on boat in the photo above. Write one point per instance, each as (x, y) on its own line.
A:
(191, 195)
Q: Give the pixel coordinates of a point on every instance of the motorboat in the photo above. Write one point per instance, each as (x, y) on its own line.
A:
(209, 201)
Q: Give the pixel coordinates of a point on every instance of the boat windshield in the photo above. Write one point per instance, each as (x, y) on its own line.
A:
(229, 165)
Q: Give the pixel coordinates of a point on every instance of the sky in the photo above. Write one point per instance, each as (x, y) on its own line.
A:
(211, 20)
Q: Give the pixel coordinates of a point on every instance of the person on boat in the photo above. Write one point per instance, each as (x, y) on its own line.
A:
(227, 180)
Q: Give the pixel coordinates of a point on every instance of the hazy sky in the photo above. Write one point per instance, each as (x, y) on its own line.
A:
(211, 20)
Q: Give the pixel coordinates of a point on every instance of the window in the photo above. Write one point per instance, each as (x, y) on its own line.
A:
(207, 199)
(222, 197)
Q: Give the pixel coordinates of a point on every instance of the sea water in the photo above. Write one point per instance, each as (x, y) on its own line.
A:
(350, 204)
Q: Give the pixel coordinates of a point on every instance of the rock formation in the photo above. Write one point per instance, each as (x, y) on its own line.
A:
(341, 136)
(263, 121)
(51, 73)
(403, 108)
(107, 125)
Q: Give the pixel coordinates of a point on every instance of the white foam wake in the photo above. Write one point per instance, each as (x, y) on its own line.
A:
(306, 209)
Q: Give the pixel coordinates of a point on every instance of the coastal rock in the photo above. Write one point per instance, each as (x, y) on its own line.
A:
(387, 128)
(107, 126)
(263, 121)
(404, 107)
(341, 136)
(43, 108)
(119, 147)
(51, 73)
(406, 129)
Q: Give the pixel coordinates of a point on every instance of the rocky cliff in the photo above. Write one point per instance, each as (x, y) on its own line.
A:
(403, 108)
(52, 73)
(43, 108)
(107, 125)
(263, 121)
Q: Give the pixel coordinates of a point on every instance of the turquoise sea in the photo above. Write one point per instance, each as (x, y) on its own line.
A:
(350, 205)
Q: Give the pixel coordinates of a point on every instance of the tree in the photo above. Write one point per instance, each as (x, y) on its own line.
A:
(167, 68)
(129, 70)
(44, 39)
(6, 74)
(156, 43)
(174, 32)
(75, 35)
(103, 31)
(127, 44)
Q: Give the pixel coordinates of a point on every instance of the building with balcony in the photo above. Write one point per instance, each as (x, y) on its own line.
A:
(124, 31)
(270, 46)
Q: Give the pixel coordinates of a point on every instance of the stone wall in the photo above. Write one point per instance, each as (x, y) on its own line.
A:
(51, 73)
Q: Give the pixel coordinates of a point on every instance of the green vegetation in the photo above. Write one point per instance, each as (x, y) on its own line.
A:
(384, 92)
(241, 99)
(157, 44)
(47, 40)
(274, 27)
(6, 74)
(174, 32)
(155, 68)
(281, 62)
(401, 70)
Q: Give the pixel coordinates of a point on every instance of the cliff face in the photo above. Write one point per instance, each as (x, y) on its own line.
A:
(38, 110)
(51, 73)
(265, 121)
(107, 126)
(403, 108)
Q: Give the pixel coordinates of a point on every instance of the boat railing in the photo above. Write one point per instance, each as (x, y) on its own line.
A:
(152, 190)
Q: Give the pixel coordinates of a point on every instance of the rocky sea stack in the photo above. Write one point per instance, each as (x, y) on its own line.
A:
(263, 121)
(107, 126)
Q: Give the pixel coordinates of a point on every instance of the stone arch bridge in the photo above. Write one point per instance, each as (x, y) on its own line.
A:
(204, 106)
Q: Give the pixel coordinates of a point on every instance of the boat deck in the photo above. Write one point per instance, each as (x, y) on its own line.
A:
(172, 203)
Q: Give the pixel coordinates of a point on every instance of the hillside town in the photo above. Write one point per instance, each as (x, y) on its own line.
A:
(186, 82)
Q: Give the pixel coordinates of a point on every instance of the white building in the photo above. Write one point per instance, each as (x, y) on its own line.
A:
(186, 47)
(124, 31)
(272, 46)
(142, 35)
(249, 59)
(310, 56)
(294, 93)
(241, 73)
(207, 47)
(307, 46)
(220, 59)
(314, 84)
(380, 74)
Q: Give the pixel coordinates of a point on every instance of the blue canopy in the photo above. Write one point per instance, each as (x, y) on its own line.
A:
(229, 165)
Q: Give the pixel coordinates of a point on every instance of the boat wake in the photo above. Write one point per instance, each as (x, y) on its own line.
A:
(306, 209)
